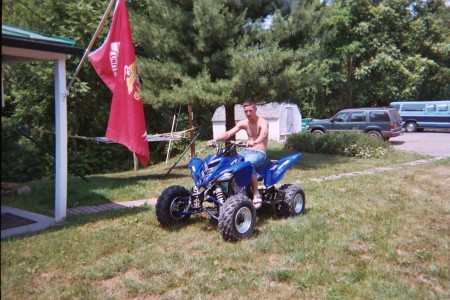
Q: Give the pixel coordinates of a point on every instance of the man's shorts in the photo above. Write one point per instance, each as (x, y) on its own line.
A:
(255, 157)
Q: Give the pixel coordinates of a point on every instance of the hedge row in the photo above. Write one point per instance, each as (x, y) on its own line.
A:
(348, 143)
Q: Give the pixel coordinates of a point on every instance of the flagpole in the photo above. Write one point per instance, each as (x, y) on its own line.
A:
(170, 142)
(91, 44)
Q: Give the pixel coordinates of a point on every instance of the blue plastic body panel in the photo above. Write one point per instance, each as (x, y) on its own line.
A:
(214, 166)
(273, 173)
(205, 171)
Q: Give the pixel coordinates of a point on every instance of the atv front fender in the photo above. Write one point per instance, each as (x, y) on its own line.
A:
(242, 172)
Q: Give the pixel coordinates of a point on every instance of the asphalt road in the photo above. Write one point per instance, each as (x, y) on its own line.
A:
(434, 143)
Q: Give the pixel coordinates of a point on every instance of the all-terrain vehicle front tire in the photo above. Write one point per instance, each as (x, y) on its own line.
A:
(237, 218)
(293, 203)
(170, 206)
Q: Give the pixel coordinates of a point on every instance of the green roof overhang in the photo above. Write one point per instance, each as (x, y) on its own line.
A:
(19, 38)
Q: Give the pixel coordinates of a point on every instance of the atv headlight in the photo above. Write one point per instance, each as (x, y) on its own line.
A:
(225, 177)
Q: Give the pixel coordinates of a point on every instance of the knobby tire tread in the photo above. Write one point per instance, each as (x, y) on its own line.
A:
(287, 208)
(163, 206)
(227, 214)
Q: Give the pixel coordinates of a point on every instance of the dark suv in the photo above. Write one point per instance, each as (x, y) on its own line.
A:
(379, 122)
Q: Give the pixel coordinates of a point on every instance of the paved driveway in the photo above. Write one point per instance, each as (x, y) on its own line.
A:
(434, 143)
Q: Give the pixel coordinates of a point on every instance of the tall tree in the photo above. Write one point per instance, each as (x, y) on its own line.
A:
(434, 18)
(323, 55)
(208, 53)
(374, 51)
(300, 33)
(29, 91)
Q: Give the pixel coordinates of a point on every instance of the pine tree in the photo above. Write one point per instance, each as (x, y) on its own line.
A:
(209, 53)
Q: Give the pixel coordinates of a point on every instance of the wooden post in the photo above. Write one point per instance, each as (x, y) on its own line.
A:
(135, 162)
(191, 127)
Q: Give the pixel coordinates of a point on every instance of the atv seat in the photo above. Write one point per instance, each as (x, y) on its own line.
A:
(265, 164)
(260, 170)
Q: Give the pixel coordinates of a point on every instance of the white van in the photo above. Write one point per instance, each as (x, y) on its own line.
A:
(418, 115)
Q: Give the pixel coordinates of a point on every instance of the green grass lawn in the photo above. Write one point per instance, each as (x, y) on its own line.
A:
(150, 182)
(379, 236)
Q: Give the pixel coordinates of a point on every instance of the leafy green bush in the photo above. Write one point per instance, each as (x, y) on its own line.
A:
(303, 142)
(88, 157)
(24, 160)
(366, 151)
(348, 143)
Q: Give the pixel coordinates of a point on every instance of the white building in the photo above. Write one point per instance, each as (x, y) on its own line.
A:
(284, 119)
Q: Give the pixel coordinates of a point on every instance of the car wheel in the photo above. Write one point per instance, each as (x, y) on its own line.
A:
(411, 127)
(317, 132)
(375, 134)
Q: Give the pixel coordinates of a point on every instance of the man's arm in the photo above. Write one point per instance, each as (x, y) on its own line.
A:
(228, 134)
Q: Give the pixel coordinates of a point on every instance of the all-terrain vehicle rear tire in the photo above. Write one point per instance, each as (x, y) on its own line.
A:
(293, 203)
(170, 207)
(237, 218)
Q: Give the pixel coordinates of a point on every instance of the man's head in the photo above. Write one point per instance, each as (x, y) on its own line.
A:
(249, 102)
(250, 109)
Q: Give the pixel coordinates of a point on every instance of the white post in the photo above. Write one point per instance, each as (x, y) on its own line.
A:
(61, 141)
(170, 142)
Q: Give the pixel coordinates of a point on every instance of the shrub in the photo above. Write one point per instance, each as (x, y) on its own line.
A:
(303, 142)
(348, 143)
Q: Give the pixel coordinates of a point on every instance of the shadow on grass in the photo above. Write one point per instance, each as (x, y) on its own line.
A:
(79, 193)
(267, 213)
(263, 216)
(128, 186)
(83, 219)
(309, 161)
(314, 161)
(135, 178)
(397, 143)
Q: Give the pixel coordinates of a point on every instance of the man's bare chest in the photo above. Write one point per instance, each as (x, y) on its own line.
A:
(253, 130)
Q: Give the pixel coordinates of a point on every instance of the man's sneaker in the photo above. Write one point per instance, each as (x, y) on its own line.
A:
(257, 201)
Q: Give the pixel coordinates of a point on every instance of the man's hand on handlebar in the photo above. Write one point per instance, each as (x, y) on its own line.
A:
(211, 143)
(250, 144)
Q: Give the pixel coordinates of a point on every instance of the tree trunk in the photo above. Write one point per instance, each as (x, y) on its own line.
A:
(229, 119)
(191, 127)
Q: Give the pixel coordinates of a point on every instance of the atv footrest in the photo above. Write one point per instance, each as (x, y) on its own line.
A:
(280, 196)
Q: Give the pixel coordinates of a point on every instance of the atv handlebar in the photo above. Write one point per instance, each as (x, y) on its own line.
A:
(227, 149)
(238, 144)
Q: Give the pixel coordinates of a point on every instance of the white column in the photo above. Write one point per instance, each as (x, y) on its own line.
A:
(61, 141)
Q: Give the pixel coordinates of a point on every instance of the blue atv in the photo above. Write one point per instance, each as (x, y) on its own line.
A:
(223, 190)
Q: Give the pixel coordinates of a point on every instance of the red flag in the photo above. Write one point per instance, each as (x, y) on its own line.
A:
(115, 63)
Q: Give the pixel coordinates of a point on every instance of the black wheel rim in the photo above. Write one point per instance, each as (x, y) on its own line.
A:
(176, 208)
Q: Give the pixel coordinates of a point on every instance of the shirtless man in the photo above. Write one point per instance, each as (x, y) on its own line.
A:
(257, 129)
